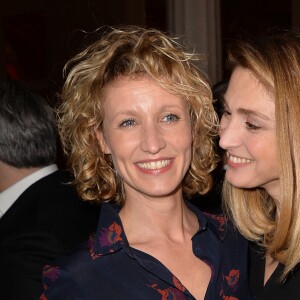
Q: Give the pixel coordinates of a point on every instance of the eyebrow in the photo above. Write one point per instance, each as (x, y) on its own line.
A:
(132, 112)
(249, 112)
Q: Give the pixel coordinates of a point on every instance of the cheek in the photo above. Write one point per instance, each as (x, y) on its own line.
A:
(121, 151)
(222, 124)
(184, 139)
(185, 145)
(272, 156)
(266, 148)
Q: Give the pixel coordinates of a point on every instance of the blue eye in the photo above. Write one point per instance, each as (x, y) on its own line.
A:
(127, 123)
(170, 118)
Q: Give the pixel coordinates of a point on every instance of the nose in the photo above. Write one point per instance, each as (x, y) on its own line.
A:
(152, 140)
(229, 134)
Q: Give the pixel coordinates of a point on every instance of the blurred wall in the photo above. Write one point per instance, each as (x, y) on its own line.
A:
(37, 37)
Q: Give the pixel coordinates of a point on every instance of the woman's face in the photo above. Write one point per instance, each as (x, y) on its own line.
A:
(147, 131)
(248, 134)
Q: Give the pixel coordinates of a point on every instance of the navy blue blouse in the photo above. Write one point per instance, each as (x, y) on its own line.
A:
(108, 268)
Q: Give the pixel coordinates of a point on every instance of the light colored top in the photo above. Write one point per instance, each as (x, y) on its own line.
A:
(11, 194)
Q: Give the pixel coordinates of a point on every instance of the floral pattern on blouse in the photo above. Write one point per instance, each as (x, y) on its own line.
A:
(106, 267)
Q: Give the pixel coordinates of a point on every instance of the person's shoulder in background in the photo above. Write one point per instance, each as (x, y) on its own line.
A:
(47, 221)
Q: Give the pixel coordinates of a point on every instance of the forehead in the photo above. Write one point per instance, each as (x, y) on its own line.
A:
(136, 89)
(246, 92)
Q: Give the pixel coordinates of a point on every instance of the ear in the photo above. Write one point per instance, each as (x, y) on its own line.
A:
(102, 142)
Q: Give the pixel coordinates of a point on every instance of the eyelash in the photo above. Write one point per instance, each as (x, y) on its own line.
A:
(127, 123)
(251, 126)
(225, 113)
(173, 116)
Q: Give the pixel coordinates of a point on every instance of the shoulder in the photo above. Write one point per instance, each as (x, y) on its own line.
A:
(224, 225)
(56, 198)
(58, 180)
(220, 221)
(52, 208)
(71, 275)
(72, 263)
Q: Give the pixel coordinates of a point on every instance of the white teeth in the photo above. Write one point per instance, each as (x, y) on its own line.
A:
(154, 165)
(238, 160)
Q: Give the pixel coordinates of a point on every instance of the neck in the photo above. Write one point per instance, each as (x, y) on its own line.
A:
(9, 175)
(168, 217)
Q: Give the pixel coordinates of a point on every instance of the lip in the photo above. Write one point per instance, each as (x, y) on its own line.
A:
(237, 161)
(155, 166)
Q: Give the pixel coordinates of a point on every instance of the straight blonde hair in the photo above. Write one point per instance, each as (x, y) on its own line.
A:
(275, 61)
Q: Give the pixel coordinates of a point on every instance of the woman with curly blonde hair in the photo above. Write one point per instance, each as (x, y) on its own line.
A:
(260, 132)
(137, 123)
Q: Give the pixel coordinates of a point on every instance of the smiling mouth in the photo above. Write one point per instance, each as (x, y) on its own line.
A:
(238, 160)
(154, 165)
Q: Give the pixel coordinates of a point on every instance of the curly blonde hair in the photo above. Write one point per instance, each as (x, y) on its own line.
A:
(130, 51)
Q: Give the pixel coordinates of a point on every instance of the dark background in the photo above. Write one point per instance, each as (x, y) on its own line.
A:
(39, 36)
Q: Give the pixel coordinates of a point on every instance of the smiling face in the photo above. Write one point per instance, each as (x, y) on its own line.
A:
(248, 134)
(147, 131)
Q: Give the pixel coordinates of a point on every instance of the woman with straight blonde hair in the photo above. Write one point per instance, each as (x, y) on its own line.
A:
(260, 132)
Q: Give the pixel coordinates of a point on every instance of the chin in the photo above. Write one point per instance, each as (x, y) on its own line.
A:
(242, 185)
(238, 183)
